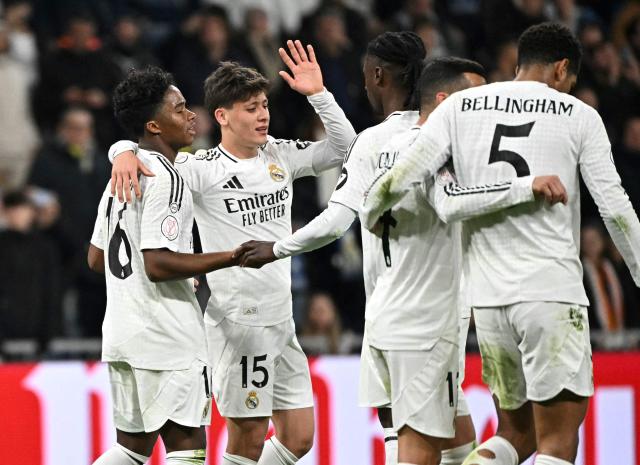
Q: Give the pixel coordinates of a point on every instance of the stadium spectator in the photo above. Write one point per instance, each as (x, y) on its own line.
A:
(30, 294)
(506, 62)
(603, 286)
(261, 46)
(212, 44)
(74, 169)
(22, 40)
(78, 72)
(339, 61)
(322, 332)
(127, 48)
(19, 137)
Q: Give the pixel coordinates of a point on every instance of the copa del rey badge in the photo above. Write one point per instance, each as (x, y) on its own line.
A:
(170, 227)
(277, 173)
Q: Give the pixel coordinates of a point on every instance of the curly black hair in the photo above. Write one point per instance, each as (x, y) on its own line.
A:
(547, 43)
(137, 99)
(403, 53)
(231, 83)
(445, 74)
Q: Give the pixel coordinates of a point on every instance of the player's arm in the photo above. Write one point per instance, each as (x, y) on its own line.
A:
(311, 158)
(166, 265)
(95, 255)
(331, 224)
(453, 202)
(602, 180)
(325, 228)
(420, 161)
(95, 259)
(162, 228)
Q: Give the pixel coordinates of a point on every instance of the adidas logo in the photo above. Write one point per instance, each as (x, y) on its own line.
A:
(233, 183)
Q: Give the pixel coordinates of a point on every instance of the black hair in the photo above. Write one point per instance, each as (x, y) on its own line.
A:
(403, 52)
(445, 74)
(15, 199)
(137, 99)
(232, 83)
(547, 43)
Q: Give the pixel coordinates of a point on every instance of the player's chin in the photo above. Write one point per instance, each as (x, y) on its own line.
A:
(261, 138)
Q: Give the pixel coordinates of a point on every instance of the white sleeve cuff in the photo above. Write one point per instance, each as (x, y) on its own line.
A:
(120, 147)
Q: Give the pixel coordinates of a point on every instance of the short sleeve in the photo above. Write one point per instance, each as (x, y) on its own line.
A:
(97, 237)
(162, 217)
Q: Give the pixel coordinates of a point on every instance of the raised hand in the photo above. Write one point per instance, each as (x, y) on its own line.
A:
(307, 77)
(254, 254)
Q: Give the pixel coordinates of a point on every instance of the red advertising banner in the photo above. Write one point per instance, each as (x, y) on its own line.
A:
(59, 413)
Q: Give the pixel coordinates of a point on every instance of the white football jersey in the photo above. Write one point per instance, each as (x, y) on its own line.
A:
(417, 263)
(515, 129)
(237, 200)
(153, 326)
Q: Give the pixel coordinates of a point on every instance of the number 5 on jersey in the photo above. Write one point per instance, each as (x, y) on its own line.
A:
(263, 373)
(514, 159)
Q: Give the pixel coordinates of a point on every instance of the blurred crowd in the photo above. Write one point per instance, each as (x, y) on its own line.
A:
(60, 61)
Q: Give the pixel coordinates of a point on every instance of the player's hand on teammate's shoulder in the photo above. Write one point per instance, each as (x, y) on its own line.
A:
(550, 188)
(254, 254)
(307, 77)
(124, 175)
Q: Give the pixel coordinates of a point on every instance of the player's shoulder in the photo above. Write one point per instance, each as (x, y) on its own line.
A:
(275, 146)
(396, 122)
(403, 138)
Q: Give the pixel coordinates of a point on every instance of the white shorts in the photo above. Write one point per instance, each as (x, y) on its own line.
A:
(418, 385)
(534, 350)
(258, 369)
(144, 400)
(463, 329)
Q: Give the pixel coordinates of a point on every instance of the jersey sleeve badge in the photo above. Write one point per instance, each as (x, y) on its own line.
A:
(170, 227)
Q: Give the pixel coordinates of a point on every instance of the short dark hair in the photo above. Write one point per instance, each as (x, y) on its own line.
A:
(14, 199)
(445, 74)
(232, 83)
(404, 53)
(137, 99)
(547, 43)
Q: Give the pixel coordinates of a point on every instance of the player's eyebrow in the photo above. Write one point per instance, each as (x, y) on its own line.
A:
(181, 103)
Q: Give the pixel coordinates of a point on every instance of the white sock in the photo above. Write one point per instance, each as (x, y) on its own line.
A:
(504, 452)
(274, 453)
(390, 447)
(119, 455)
(186, 457)
(457, 455)
(230, 459)
(548, 460)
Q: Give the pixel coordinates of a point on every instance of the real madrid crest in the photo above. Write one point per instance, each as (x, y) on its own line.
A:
(277, 173)
(252, 400)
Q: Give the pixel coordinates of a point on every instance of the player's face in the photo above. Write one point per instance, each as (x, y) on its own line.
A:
(371, 78)
(248, 121)
(176, 122)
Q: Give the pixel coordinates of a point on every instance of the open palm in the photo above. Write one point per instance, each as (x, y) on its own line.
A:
(307, 77)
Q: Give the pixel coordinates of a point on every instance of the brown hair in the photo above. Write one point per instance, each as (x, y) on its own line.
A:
(232, 83)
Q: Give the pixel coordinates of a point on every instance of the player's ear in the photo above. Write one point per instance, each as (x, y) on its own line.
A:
(440, 97)
(377, 75)
(153, 127)
(220, 114)
(561, 69)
